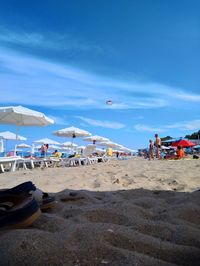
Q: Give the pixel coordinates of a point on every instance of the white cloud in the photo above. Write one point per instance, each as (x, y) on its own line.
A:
(188, 125)
(140, 127)
(98, 123)
(51, 84)
(48, 40)
(186, 96)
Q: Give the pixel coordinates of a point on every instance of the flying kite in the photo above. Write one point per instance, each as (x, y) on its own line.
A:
(109, 102)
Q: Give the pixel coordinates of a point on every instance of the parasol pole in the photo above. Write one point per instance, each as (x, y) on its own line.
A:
(17, 134)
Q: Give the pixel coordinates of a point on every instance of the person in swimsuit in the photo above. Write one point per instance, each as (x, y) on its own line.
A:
(158, 145)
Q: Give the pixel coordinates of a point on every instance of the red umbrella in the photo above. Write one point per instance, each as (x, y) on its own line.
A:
(183, 143)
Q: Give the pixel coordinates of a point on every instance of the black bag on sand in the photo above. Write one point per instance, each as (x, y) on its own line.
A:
(195, 156)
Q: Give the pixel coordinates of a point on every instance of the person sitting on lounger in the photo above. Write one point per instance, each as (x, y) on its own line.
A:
(180, 153)
(57, 154)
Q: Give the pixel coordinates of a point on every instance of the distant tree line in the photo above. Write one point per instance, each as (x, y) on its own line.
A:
(166, 138)
(195, 135)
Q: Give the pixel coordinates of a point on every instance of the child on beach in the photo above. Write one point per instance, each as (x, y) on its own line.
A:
(180, 153)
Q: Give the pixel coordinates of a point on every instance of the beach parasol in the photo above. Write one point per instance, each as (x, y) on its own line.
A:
(109, 144)
(47, 141)
(183, 143)
(95, 139)
(1, 146)
(22, 116)
(7, 135)
(23, 145)
(69, 144)
(72, 132)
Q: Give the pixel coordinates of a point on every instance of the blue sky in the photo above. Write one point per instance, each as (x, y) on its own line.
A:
(67, 58)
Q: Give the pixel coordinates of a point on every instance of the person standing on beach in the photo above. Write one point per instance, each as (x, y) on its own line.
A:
(151, 155)
(44, 149)
(158, 145)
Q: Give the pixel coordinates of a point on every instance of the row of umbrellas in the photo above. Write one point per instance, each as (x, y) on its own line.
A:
(102, 141)
(21, 116)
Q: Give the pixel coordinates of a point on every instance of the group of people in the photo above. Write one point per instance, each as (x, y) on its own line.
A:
(157, 144)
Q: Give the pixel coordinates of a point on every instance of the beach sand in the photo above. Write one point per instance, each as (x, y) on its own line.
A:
(123, 212)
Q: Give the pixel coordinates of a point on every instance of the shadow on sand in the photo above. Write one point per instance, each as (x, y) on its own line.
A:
(125, 227)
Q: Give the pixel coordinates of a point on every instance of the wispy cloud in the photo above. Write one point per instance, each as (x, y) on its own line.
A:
(145, 128)
(48, 40)
(56, 85)
(186, 125)
(187, 96)
(104, 124)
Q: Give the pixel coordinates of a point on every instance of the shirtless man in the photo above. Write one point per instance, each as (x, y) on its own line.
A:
(158, 145)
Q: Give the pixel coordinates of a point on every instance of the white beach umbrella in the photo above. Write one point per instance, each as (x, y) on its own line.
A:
(96, 138)
(7, 135)
(69, 144)
(72, 132)
(82, 147)
(109, 144)
(54, 147)
(22, 116)
(1, 145)
(165, 147)
(23, 145)
(47, 141)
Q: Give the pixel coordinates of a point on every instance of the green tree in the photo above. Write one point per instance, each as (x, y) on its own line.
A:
(195, 135)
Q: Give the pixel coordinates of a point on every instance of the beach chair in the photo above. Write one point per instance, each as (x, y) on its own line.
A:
(87, 157)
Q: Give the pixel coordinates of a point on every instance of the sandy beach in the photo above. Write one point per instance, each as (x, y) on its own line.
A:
(123, 212)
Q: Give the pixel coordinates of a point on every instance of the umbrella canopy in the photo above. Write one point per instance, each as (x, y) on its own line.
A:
(47, 141)
(72, 132)
(95, 139)
(1, 145)
(22, 116)
(54, 147)
(69, 144)
(165, 147)
(184, 143)
(82, 147)
(7, 135)
(109, 144)
(23, 145)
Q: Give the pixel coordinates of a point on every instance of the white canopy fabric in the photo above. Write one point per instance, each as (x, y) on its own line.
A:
(23, 145)
(109, 144)
(72, 132)
(95, 138)
(1, 145)
(7, 135)
(47, 141)
(54, 147)
(82, 147)
(165, 147)
(22, 116)
(69, 144)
